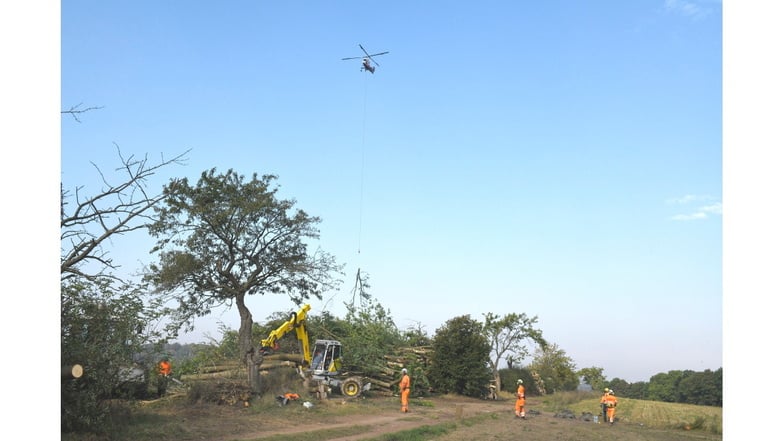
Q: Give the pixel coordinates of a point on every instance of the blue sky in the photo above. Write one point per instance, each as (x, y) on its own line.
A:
(561, 159)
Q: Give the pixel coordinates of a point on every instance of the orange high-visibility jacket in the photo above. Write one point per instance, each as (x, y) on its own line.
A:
(405, 383)
(164, 367)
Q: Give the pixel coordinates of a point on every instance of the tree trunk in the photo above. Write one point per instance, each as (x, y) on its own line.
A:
(245, 332)
(246, 346)
(254, 379)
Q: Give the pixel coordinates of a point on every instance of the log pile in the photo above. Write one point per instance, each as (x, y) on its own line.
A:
(236, 370)
(231, 379)
(385, 379)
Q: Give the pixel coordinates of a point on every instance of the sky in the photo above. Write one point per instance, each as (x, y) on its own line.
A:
(558, 159)
(609, 167)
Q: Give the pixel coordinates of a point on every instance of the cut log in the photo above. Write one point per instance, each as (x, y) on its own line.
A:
(220, 368)
(277, 364)
(236, 373)
(380, 383)
(71, 372)
(287, 357)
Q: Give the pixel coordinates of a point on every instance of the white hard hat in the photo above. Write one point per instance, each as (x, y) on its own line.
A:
(519, 381)
(405, 371)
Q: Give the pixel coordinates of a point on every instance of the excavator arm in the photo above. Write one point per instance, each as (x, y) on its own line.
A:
(296, 322)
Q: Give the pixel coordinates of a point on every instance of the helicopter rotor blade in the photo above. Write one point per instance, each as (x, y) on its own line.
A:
(352, 58)
(371, 57)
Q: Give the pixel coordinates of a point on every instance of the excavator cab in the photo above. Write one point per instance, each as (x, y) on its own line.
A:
(326, 358)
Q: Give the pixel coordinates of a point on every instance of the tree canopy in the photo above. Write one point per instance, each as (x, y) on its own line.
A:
(593, 376)
(555, 368)
(508, 336)
(460, 355)
(225, 238)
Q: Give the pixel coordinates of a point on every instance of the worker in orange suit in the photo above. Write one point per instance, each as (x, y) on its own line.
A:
(164, 371)
(603, 403)
(405, 389)
(285, 398)
(612, 402)
(520, 403)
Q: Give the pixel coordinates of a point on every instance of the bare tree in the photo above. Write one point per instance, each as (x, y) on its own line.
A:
(507, 336)
(86, 223)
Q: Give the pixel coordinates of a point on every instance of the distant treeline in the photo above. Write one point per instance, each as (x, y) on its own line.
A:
(686, 386)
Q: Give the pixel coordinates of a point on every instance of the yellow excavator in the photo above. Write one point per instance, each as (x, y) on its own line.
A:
(324, 363)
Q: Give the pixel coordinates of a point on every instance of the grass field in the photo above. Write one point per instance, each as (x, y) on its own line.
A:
(655, 414)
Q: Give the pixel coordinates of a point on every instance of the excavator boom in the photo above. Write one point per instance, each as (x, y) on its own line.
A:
(296, 322)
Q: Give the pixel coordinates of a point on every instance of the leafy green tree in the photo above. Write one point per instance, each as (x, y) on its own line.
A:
(555, 368)
(372, 334)
(637, 390)
(416, 336)
(223, 239)
(593, 376)
(460, 358)
(325, 325)
(619, 386)
(508, 336)
(102, 329)
(509, 377)
(703, 388)
(664, 386)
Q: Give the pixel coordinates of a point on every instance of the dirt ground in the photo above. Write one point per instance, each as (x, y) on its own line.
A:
(363, 419)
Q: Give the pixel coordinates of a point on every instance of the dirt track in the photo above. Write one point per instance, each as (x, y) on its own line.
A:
(387, 419)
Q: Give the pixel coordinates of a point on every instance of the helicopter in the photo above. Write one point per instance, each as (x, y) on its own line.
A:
(366, 59)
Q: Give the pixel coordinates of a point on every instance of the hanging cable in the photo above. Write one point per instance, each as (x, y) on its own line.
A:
(359, 284)
(362, 167)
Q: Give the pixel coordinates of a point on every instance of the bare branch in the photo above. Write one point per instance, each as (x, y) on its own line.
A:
(74, 111)
(116, 210)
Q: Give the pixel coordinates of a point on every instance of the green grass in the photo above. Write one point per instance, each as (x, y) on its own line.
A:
(324, 434)
(654, 414)
(430, 432)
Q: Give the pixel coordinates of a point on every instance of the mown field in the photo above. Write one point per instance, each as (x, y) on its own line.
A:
(654, 414)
